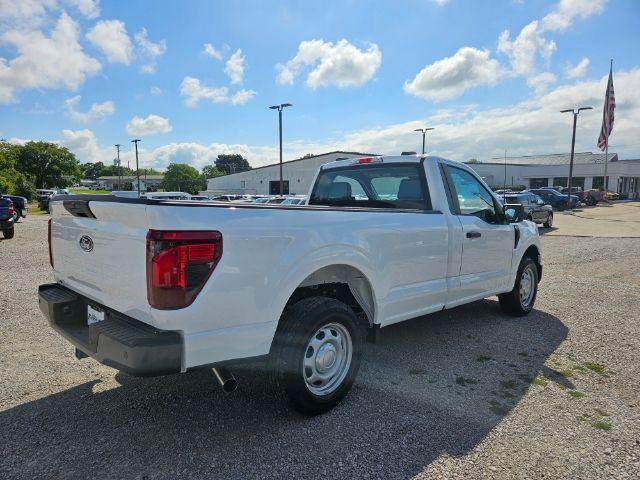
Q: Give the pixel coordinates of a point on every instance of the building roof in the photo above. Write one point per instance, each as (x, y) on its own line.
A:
(307, 158)
(555, 159)
(111, 178)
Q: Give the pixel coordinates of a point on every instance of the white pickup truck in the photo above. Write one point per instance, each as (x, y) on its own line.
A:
(155, 287)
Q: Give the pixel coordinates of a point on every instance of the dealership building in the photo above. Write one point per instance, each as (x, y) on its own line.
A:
(529, 171)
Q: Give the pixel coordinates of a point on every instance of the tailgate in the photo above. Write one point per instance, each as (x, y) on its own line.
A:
(103, 258)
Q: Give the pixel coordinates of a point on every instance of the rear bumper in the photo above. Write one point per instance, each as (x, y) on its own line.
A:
(118, 341)
(6, 224)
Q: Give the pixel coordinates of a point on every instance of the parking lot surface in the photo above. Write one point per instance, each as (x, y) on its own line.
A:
(466, 393)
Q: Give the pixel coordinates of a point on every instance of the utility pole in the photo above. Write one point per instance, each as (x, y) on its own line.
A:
(424, 134)
(280, 107)
(135, 142)
(117, 145)
(575, 112)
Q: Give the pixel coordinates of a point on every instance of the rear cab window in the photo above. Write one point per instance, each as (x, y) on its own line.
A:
(396, 186)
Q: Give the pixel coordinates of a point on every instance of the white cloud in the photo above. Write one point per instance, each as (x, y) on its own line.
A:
(211, 51)
(88, 8)
(84, 145)
(149, 50)
(566, 11)
(148, 126)
(155, 90)
(579, 70)
(110, 37)
(234, 67)
(526, 48)
(541, 82)
(96, 111)
(341, 64)
(193, 91)
(25, 13)
(45, 62)
(452, 76)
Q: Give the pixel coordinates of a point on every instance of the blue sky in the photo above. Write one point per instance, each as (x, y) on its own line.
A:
(362, 75)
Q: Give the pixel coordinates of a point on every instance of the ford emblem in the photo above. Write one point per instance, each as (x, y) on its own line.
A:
(86, 243)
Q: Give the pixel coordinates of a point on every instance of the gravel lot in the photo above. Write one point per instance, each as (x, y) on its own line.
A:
(468, 393)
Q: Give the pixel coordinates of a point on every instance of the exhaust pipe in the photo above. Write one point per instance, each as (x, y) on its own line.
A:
(226, 379)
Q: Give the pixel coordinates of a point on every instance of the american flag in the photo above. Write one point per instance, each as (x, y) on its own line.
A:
(607, 114)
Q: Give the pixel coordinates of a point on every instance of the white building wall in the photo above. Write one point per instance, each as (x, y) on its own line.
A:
(300, 174)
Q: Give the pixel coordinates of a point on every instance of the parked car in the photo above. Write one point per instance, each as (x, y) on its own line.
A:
(613, 195)
(46, 195)
(20, 206)
(297, 200)
(382, 240)
(6, 217)
(200, 198)
(559, 201)
(535, 208)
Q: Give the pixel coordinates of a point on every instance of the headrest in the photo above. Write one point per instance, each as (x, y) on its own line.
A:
(410, 189)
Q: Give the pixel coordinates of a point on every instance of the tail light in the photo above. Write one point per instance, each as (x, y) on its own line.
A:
(363, 160)
(10, 210)
(179, 263)
(49, 242)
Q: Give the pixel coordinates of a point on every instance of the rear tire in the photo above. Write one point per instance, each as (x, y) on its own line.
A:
(549, 222)
(519, 301)
(8, 233)
(316, 354)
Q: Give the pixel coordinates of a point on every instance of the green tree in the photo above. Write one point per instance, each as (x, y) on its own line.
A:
(48, 164)
(8, 172)
(24, 187)
(112, 171)
(232, 163)
(92, 170)
(211, 171)
(183, 178)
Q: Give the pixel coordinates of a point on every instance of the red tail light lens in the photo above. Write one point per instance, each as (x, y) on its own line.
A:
(179, 263)
(49, 242)
(10, 210)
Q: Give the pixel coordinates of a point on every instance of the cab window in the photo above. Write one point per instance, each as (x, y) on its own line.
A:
(470, 197)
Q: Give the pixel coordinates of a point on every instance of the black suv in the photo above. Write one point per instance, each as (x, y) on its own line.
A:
(6, 217)
(535, 208)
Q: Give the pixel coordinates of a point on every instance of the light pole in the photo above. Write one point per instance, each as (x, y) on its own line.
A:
(575, 112)
(424, 134)
(117, 145)
(280, 107)
(135, 142)
(505, 170)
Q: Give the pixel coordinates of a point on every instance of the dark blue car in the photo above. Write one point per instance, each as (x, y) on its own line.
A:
(559, 201)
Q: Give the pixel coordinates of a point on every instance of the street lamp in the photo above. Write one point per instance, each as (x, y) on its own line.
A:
(575, 112)
(424, 134)
(280, 107)
(135, 142)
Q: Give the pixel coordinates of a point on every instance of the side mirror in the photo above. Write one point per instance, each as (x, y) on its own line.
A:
(513, 213)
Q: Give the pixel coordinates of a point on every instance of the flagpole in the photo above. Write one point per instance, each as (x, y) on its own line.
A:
(606, 149)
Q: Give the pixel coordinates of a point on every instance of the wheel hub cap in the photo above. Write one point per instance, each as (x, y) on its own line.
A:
(527, 287)
(327, 359)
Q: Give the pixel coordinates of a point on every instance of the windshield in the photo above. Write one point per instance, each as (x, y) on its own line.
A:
(373, 186)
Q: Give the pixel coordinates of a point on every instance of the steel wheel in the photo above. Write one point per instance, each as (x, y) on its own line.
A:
(327, 359)
(527, 286)
(550, 220)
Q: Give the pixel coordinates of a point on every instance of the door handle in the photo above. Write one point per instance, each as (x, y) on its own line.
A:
(474, 234)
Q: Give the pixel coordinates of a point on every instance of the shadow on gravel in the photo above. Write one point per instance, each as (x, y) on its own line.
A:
(434, 385)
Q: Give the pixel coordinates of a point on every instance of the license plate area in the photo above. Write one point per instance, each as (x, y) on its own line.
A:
(94, 315)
